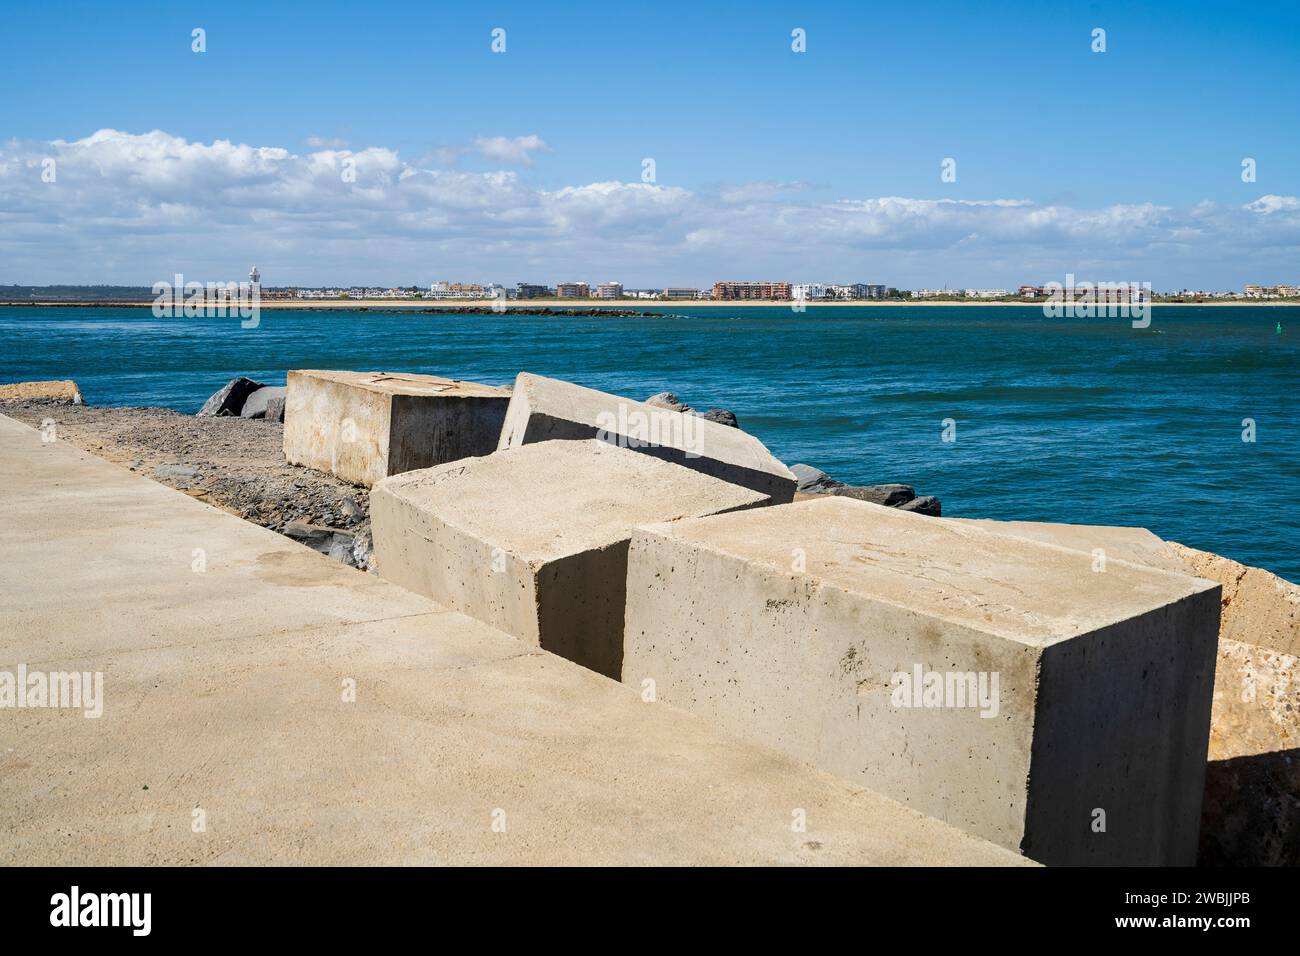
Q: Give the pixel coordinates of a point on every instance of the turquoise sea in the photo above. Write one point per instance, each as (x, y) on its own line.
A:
(1078, 420)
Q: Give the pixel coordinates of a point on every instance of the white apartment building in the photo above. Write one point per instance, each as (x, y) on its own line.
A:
(609, 290)
(811, 290)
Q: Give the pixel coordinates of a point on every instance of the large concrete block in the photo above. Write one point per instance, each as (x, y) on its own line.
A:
(364, 426)
(1251, 812)
(533, 540)
(542, 409)
(991, 681)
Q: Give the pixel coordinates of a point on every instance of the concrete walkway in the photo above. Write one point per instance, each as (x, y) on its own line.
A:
(227, 652)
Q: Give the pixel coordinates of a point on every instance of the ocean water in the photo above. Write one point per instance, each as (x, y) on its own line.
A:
(1085, 421)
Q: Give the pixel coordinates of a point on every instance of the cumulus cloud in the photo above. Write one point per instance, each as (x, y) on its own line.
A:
(132, 208)
(516, 150)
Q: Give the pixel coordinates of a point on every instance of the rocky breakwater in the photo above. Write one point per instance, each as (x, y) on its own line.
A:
(814, 481)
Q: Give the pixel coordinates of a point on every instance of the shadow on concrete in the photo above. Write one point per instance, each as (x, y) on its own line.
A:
(1251, 813)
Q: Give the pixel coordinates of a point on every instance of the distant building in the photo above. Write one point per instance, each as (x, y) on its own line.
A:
(609, 290)
(680, 292)
(986, 293)
(811, 290)
(572, 290)
(751, 290)
(525, 290)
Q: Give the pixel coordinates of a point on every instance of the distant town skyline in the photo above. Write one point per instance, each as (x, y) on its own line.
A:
(954, 146)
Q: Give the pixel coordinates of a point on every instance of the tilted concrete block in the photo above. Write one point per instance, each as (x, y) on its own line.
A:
(364, 426)
(542, 409)
(994, 682)
(533, 540)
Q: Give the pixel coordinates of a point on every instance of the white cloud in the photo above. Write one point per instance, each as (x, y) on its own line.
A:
(325, 142)
(137, 207)
(505, 149)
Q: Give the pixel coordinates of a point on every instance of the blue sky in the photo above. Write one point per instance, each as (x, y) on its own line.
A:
(757, 149)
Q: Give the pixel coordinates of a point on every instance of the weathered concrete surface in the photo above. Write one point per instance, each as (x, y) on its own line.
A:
(533, 540)
(224, 694)
(542, 409)
(63, 390)
(788, 625)
(364, 426)
(1101, 542)
(1251, 812)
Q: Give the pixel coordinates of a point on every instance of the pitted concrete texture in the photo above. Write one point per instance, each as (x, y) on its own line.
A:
(533, 540)
(543, 409)
(229, 654)
(865, 641)
(1251, 813)
(364, 426)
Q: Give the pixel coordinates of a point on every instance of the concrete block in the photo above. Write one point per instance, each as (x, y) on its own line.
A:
(364, 426)
(1251, 812)
(993, 682)
(533, 540)
(543, 409)
(63, 391)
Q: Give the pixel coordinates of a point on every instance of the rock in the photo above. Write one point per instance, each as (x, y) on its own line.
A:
(720, 415)
(274, 409)
(315, 536)
(891, 496)
(231, 397)
(363, 550)
(341, 548)
(814, 481)
(925, 505)
(258, 403)
(175, 471)
(350, 510)
(668, 400)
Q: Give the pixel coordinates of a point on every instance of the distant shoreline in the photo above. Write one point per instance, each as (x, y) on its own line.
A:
(620, 306)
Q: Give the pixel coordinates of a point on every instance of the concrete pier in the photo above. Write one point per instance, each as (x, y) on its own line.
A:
(985, 679)
(263, 704)
(533, 540)
(364, 426)
(543, 409)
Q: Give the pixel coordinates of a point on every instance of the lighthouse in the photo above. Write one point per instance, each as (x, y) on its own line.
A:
(254, 278)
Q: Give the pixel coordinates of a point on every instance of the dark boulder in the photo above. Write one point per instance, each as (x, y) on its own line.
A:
(671, 402)
(891, 496)
(814, 481)
(925, 505)
(230, 399)
(720, 415)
